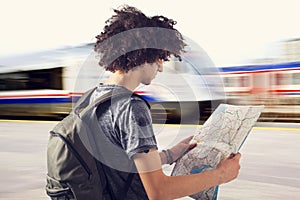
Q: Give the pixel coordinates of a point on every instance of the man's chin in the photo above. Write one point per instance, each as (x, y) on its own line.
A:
(147, 83)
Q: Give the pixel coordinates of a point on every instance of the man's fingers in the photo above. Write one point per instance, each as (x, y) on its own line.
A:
(193, 145)
(188, 139)
(237, 156)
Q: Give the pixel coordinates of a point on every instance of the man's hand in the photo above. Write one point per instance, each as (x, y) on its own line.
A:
(229, 168)
(182, 148)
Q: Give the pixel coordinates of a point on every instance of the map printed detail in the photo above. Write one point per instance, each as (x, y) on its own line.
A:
(221, 135)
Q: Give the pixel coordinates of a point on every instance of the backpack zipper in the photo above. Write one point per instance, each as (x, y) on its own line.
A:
(74, 152)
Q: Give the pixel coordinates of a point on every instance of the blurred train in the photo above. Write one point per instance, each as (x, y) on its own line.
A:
(46, 84)
(277, 86)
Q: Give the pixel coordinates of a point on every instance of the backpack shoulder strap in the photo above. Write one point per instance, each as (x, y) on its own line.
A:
(80, 111)
(109, 95)
(82, 102)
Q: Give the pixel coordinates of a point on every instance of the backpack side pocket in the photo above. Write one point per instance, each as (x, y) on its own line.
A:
(58, 190)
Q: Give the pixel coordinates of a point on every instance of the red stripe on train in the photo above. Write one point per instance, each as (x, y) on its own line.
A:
(278, 91)
(42, 95)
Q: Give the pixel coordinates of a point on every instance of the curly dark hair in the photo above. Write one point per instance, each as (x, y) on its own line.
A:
(130, 39)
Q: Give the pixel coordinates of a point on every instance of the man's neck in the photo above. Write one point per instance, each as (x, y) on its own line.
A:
(128, 80)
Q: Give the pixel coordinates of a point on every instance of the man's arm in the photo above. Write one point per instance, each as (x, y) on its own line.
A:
(160, 186)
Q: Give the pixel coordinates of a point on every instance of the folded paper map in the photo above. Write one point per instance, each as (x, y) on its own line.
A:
(221, 135)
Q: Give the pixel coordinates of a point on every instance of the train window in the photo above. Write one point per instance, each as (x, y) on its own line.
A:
(283, 79)
(12, 81)
(236, 81)
(273, 79)
(244, 81)
(31, 80)
(296, 79)
(226, 81)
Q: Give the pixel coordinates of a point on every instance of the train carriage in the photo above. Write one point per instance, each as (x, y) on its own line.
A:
(47, 83)
(277, 86)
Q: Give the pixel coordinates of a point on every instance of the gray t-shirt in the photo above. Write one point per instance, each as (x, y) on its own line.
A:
(126, 123)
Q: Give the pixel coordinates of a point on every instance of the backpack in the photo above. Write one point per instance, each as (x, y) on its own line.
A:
(73, 173)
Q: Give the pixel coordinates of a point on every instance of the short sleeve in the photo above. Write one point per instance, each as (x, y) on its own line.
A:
(135, 128)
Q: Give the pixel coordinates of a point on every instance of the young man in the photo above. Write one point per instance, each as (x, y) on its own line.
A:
(133, 47)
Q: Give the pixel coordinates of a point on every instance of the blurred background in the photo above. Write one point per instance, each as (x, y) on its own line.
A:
(241, 52)
(250, 49)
